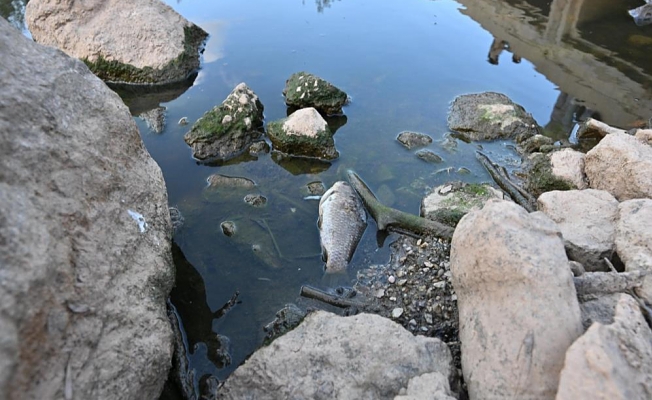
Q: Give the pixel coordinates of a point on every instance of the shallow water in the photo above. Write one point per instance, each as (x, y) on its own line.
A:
(402, 62)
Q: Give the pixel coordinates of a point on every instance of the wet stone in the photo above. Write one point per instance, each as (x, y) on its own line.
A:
(255, 200)
(228, 228)
(429, 156)
(413, 140)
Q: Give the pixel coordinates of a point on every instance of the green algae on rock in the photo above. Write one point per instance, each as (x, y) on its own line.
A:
(304, 133)
(450, 202)
(540, 178)
(489, 115)
(307, 90)
(144, 42)
(227, 129)
(174, 71)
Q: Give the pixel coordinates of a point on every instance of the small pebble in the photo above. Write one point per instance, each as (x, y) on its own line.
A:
(427, 264)
(391, 279)
(392, 298)
(419, 242)
(380, 293)
(397, 312)
(439, 285)
(183, 121)
(454, 297)
(428, 318)
(402, 282)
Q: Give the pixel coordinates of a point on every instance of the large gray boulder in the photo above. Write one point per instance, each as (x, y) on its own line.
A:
(229, 128)
(330, 357)
(143, 41)
(85, 264)
(517, 304)
(611, 361)
(587, 220)
(490, 115)
(634, 239)
(621, 165)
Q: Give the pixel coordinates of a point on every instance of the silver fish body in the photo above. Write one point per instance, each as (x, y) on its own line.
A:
(342, 221)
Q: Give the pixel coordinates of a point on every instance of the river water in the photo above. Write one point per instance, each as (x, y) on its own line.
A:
(402, 63)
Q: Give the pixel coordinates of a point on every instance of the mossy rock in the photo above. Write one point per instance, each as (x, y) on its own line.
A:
(307, 90)
(228, 129)
(176, 70)
(540, 178)
(489, 116)
(450, 202)
(322, 146)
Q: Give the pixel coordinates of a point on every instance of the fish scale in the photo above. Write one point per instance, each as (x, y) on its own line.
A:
(342, 221)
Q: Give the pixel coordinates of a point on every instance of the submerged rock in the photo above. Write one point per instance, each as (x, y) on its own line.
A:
(84, 236)
(412, 140)
(255, 200)
(489, 115)
(587, 221)
(621, 165)
(380, 353)
(306, 90)
(517, 302)
(610, 361)
(217, 181)
(143, 42)
(304, 133)
(227, 129)
(155, 119)
(228, 228)
(429, 156)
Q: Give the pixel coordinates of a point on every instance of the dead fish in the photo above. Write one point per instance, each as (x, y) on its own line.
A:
(342, 221)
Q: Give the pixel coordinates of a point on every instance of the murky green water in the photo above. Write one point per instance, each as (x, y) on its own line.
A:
(402, 62)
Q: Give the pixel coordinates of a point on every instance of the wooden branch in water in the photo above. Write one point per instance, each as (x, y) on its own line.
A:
(601, 283)
(226, 307)
(332, 299)
(592, 128)
(520, 196)
(395, 220)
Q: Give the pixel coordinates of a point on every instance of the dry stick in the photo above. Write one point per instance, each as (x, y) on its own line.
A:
(601, 283)
(513, 190)
(334, 300)
(226, 307)
(269, 230)
(395, 220)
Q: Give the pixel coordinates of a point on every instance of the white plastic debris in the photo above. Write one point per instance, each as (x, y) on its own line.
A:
(142, 225)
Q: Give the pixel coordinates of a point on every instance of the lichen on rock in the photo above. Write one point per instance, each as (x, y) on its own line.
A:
(490, 115)
(306, 90)
(229, 128)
